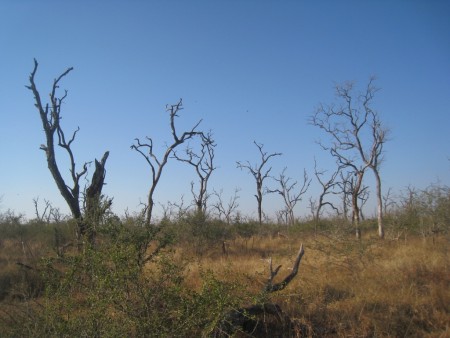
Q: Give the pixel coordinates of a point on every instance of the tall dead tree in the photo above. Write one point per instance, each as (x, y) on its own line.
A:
(259, 172)
(157, 165)
(286, 191)
(50, 114)
(357, 138)
(203, 163)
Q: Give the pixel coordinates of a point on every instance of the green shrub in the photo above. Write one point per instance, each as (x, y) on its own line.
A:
(112, 290)
(197, 231)
(426, 211)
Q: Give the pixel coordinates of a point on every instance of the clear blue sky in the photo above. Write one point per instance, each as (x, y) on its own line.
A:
(252, 70)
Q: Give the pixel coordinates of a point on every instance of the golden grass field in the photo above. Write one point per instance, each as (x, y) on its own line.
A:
(345, 287)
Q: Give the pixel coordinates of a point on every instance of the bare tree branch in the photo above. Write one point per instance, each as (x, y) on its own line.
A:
(286, 192)
(260, 174)
(46, 215)
(357, 138)
(388, 201)
(327, 188)
(157, 165)
(203, 163)
(241, 318)
(50, 115)
(270, 287)
(226, 210)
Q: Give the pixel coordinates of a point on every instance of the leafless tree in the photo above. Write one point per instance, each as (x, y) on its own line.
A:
(286, 191)
(57, 216)
(353, 193)
(226, 210)
(45, 215)
(388, 201)
(259, 172)
(346, 192)
(327, 186)
(48, 213)
(363, 198)
(157, 165)
(175, 210)
(409, 200)
(96, 204)
(50, 114)
(282, 216)
(203, 163)
(358, 137)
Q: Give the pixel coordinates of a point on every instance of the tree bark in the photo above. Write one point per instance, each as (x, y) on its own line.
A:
(380, 205)
(355, 206)
(50, 115)
(94, 209)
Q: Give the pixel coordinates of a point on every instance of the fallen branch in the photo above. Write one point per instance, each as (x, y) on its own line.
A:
(270, 287)
(245, 319)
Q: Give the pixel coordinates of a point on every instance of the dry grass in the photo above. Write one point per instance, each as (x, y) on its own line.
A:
(346, 288)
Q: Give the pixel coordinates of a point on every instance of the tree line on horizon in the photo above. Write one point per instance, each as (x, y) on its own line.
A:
(356, 138)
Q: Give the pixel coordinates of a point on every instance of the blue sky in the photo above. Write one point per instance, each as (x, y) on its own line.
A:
(252, 70)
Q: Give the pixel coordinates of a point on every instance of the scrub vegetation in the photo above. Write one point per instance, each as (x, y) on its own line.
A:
(187, 277)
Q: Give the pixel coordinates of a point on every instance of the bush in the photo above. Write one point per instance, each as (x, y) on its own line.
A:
(109, 290)
(197, 231)
(426, 211)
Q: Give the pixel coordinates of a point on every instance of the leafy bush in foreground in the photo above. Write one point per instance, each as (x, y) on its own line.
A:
(108, 291)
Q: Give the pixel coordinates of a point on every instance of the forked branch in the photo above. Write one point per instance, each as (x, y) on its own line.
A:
(203, 163)
(260, 174)
(156, 164)
(270, 287)
(245, 319)
(50, 114)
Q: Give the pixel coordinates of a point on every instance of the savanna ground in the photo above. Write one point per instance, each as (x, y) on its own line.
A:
(183, 280)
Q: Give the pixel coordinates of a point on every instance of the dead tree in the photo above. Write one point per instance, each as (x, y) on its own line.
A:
(388, 201)
(282, 216)
(346, 193)
(352, 193)
(244, 319)
(327, 186)
(260, 174)
(286, 191)
(49, 214)
(203, 163)
(157, 165)
(363, 198)
(357, 138)
(50, 114)
(226, 210)
(46, 215)
(96, 204)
